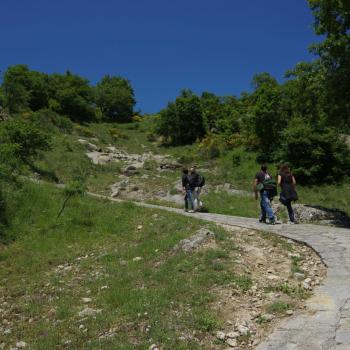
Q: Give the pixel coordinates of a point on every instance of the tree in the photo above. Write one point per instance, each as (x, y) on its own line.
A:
(181, 122)
(25, 89)
(332, 20)
(115, 97)
(71, 95)
(316, 153)
(265, 117)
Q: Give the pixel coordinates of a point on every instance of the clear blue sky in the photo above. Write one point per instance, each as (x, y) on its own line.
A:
(161, 46)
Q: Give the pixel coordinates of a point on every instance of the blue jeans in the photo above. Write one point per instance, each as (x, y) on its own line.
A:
(189, 198)
(265, 206)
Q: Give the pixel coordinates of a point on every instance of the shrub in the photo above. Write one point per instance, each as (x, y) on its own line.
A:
(209, 147)
(316, 154)
(83, 131)
(116, 134)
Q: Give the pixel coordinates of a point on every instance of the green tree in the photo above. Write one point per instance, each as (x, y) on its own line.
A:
(182, 122)
(316, 153)
(25, 89)
(71, 95)
(332, 21)
(115, 98)
(266, 117)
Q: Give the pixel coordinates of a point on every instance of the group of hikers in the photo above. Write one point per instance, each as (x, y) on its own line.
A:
(192, 184)
(263, 185)
(267, 187)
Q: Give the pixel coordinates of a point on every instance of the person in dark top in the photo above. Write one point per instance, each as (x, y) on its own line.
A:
(195, 187)
(186, 189)
(265, 196)
(288, 193)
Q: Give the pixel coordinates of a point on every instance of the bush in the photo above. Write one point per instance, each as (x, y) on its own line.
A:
(209, 147)
(83, 131)
(316, 154)
(116, 134)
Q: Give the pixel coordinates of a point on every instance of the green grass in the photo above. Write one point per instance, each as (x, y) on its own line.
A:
(98, 241)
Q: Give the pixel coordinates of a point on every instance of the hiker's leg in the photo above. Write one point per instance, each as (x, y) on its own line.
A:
(267, 205)
(262, 207)
(290, 210)
(186, 201)
(190, 198)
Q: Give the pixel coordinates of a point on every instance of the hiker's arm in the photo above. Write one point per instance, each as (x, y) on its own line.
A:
(254, 188)
(279, 179)
(293, 181)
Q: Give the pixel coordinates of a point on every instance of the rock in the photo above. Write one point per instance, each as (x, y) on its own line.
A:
(86, 300)
(268, 317)
(81, 327)
(91, 147)
(115, 193)
(220, 335)
(89, 312)
(21, 345)
(231, 342)
(153, 347)
(299, 276)
(193, 243)
(104, 287)
(138, 258)
(7, 331)
(243, 330)
(290, 312)
(307, 280)
(232, 335)
(139, 227)
(272, 277)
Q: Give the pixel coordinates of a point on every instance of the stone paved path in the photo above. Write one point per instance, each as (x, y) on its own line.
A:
(325, 323)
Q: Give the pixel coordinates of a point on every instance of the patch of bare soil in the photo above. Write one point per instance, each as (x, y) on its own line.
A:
(283, 274)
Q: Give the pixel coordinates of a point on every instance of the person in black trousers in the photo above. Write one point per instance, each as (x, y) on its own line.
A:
(288, 193)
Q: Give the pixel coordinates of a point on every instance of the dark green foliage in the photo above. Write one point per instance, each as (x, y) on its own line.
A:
(71, 95)
(115, 98)
(181, 122)
(316, 154)
(332, 21)
(25, 89)
(266, 117)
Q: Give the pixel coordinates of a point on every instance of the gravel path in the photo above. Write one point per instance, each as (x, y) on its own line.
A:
(325, 323)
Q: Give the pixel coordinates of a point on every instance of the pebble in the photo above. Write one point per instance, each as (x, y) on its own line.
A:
(268, 317)
(153, 347)
(290, 312)
(299, 276)
(220, 335)
(139, 227)
(137, 258)
(243, 330)
(231, 342)
(232, 335)
(21, 345)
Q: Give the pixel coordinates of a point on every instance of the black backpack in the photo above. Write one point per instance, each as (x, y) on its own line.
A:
(201, 181)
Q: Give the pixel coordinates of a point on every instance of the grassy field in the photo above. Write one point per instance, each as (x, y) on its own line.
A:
(90, 253)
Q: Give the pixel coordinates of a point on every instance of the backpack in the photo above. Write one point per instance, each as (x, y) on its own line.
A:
(268, 185)
(201, 181)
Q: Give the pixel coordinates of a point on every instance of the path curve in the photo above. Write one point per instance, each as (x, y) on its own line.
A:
(325, 323)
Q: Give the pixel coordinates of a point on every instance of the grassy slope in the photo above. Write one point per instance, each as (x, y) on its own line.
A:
(98, 240)
(67, 159)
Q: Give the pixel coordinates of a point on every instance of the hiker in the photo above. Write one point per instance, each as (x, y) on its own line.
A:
(196, 183)
(186, 189)
(267, 188)
(288, 193)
